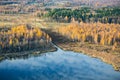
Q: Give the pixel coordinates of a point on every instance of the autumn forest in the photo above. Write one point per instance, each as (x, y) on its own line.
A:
(21, 38)
(96, 33)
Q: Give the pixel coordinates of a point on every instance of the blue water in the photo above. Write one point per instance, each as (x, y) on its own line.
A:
(58, 65)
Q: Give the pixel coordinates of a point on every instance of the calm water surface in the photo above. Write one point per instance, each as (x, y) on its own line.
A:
(59, 65)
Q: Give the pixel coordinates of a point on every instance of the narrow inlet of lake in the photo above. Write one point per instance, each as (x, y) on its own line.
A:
(58, 65)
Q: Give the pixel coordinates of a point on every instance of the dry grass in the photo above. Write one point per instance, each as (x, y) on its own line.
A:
(19, 19)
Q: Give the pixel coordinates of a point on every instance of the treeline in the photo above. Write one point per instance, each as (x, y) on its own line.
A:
(8, 2)
(104, 15)
(96, 33)
(22, 38)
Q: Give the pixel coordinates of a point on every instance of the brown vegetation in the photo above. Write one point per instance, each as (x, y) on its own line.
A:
(102, 52)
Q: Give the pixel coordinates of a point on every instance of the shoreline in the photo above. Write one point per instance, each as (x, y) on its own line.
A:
(101, 52)
(25, 54)
(109, 58)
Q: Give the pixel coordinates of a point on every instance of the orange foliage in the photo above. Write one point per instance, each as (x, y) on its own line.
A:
(104, 34)
(22, 35)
